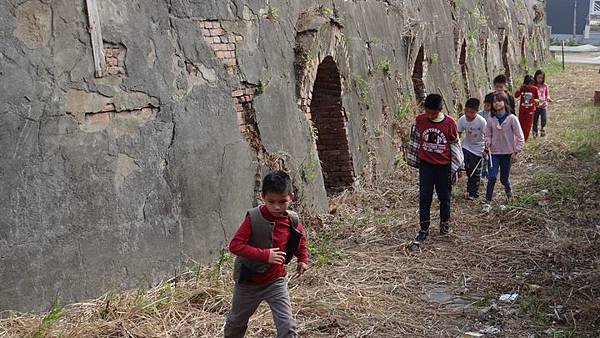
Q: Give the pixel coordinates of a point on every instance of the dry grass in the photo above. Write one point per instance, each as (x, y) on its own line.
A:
(363, 283)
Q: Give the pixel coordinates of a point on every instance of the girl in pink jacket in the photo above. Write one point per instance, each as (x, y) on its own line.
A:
(504, 140)
(541, 112)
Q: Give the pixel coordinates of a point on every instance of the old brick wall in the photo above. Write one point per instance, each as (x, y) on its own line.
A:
(119, 181)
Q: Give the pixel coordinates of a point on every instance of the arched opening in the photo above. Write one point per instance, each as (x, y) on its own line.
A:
(485, 58)
(417, 76)
(505, 59)
(464, 68)
(327, 116)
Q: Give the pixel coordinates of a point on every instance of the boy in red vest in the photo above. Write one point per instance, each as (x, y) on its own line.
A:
(265, 242)
(529, 100)
(435, 142)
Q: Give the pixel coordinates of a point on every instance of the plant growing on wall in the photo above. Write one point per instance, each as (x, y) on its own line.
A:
(273, 13)
(434, 58)
(325, 11)
(362, 90)
(384, 66)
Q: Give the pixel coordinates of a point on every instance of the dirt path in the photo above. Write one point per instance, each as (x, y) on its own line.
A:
(543, 245)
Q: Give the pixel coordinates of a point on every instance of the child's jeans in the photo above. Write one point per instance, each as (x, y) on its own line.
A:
(499, 163)
(473, 165)
(247, 298)
(539, 113)
(434, 176)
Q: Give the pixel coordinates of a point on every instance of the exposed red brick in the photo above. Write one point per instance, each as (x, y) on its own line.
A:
(332, 136)
(216, 31)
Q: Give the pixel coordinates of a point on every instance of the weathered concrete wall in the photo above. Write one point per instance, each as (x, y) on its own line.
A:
(116, 182)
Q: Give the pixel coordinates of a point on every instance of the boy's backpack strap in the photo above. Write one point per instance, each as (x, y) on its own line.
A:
(294, 239)
(294, 219)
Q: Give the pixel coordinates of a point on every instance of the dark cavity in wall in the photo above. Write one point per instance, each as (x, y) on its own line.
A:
(523, 55)
(417, 76)
(332, 137)
(505, 59)
(485, 58)
(464, 68)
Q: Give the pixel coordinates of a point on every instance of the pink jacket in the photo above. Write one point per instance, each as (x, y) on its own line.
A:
(544, 95)
(506, 138)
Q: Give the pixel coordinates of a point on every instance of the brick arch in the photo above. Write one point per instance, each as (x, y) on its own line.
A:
(464, 67)
(328, 118)
(418, 74)
(505, 61)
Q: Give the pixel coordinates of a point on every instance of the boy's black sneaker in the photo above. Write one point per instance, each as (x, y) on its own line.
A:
(421, 236)
(444, 228)
(542, 133)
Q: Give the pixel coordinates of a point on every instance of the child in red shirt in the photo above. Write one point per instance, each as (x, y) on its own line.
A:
(436, 137)
(265, 242)
(529, 98)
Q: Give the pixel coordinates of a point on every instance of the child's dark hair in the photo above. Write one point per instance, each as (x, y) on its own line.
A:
(434, 102)
(504, 98)
(472, 103)
(489, 98)
(277, 182)
(528, 80)
(500, 79)
(538, 73)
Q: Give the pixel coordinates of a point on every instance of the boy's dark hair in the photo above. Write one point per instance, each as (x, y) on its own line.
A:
(434, 102)
(528, 80)
(500, 79)
(277, 182)
(489, 98)
(538, 73)
(472, 103)
(499, 96)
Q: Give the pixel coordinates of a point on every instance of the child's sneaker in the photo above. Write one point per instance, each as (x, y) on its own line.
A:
(509, 194)
(535, 133)
(414, 247)
(471, 198)
(487, 207)
(421, 236)
(542, 133)
(444, 228)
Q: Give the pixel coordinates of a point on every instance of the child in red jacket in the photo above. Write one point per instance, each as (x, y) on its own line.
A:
(265, 242)
(529, 99)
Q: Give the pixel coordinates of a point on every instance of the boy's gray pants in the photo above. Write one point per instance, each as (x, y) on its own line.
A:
(247, 298)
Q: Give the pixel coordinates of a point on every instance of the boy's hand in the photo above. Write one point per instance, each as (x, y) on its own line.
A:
(301, 269)
(276, 256)
(514, 158)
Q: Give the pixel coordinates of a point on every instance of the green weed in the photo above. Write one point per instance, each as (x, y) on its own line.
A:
(55, 313)
(384, 66)
(362, 90)
(434, 58)
(526, 200)
(261, 86)
(561, 188)
(552, 68)
(325, 11)
(273, 13)
(582, 138)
